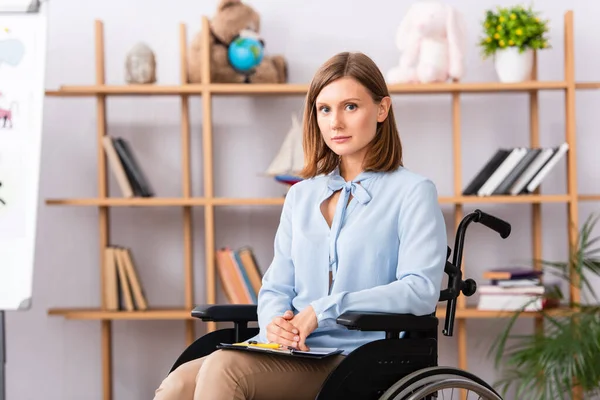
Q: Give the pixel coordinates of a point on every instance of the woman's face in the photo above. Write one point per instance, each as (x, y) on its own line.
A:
(347, 117)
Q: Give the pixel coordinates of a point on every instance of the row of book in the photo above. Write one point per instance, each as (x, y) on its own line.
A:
(240, 276)
(515, 289)
(123, 288)
(515, 171)
(130, 177)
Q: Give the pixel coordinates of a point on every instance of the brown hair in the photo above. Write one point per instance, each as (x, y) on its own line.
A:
(385, 152)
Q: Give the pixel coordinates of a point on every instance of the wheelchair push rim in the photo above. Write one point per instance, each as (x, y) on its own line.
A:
(427, 376)
(458, 383)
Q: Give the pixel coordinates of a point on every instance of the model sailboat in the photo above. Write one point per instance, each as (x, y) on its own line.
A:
(289, 161)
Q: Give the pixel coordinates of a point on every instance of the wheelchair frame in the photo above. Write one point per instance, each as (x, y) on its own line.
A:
(384, 368)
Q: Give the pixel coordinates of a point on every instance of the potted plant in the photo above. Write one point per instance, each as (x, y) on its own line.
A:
(511, 35)
(565, 358)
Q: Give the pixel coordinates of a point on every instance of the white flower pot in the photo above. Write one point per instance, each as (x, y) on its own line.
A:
(512, 66)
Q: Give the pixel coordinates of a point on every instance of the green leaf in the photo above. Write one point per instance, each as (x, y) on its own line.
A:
(548, 365)
(512, 26)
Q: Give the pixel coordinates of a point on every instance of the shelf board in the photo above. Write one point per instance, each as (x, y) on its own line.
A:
(271, 201)
(476, 87)
(98, 314)
(589, 197)
(472, 312)
(183, 314)
(587, 85)
(301, 89)
(126, 90)
(129, 202)
(262, 88)
(525, 198)
(242, 201)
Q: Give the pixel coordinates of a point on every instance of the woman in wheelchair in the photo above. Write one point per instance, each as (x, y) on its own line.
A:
(360, 233)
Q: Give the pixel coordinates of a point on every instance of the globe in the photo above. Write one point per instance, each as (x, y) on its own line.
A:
(245, 53)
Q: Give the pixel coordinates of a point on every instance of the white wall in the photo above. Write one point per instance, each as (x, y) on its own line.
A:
(61, 359)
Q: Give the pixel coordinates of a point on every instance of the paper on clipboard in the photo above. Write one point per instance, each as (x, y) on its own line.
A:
(314, 352)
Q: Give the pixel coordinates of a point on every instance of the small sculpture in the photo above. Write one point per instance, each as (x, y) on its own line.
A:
(140, 66)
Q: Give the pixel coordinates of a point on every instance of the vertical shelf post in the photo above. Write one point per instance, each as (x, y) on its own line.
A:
(207, 147)
(572, 205)
(536, 208)
(572, 219)
(103, 211)
(188, 239)
(458, 215)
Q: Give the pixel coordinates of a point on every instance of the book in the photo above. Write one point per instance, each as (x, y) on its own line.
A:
(239, 274)
(510, 179)
(134, 172)
(314, 352)
(502, 171)
(483, 175)
(515, 171)
(123, 288)
(537, 179)
(512, 273)
(117, 167)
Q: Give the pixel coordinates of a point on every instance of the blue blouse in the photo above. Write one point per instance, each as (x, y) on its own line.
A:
(386, 252)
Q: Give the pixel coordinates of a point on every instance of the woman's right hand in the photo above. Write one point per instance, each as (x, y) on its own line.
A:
(281, 331)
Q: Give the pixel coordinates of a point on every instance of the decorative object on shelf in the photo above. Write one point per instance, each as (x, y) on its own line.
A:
(551, 365)
(235, 29)
(289, 160)
(245, 53)
(431, 39)
(511, 35)
(140, 65)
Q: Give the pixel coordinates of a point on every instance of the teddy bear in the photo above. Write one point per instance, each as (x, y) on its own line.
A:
(232, 18)
(431, 39)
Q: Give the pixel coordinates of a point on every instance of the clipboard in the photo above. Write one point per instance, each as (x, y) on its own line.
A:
(315, 352)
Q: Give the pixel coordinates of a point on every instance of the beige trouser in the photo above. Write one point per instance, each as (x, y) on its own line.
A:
(236, 375)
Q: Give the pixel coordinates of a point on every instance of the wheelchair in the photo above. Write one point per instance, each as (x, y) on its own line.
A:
(401, 366)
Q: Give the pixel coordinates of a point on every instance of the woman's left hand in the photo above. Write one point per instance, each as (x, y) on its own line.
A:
(306, 322)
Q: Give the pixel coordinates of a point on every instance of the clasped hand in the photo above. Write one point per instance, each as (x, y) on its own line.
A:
(292, 331)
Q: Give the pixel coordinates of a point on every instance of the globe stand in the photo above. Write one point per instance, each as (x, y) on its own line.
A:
(247, 73)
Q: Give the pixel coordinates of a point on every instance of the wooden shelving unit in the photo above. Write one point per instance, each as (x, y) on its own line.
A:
(104, 202)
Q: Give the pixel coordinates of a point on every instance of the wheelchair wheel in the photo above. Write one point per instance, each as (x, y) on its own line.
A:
(423, 379)
(444, 384)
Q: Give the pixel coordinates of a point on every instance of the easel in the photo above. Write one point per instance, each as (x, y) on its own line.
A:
(11, 7)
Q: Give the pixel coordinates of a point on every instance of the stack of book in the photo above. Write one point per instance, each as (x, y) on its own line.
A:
(514, 289)
(123, 288)
(239, 274)
(514, 171)
(130, 177)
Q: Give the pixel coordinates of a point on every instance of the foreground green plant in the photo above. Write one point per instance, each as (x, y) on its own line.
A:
(551, 364)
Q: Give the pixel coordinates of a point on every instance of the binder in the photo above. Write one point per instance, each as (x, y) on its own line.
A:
(315, 352)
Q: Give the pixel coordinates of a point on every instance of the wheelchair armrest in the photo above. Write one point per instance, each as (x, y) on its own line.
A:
(385, 322)
(226, 312)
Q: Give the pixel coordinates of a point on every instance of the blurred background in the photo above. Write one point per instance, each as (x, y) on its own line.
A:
(61, 359)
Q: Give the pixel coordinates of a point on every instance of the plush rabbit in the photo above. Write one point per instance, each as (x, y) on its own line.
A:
(431, 39)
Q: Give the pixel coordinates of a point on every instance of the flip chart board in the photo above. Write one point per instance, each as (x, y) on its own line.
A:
(22, 69)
